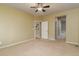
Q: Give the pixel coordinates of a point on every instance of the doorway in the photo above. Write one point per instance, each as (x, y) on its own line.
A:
(60, 28)
(44, 30)
(41, 29)
(37, 29)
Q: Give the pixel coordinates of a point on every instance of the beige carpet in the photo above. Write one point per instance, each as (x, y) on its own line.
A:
(41, 48)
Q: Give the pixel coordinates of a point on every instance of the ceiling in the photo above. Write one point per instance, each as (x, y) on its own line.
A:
(54, 7)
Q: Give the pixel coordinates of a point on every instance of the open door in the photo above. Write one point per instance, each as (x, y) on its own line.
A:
(44, 30)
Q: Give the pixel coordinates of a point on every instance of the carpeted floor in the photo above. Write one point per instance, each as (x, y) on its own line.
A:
(41, 48)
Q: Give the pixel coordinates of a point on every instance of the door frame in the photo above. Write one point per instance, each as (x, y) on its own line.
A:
(56, 20)
(46, 30)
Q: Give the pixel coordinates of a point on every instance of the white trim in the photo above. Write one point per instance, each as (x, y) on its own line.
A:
(72, 43)
(16, 43)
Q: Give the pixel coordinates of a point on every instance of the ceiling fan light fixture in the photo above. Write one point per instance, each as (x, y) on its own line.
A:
(40, 9)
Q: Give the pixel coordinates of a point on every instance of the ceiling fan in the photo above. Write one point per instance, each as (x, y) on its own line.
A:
(40, 7)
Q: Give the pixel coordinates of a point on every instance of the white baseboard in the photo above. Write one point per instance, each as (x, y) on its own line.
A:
(75, 43)
(16, 43)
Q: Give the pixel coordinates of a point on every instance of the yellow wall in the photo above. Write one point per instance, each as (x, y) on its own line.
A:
(37, 18)
(72, 24)
(15, 25)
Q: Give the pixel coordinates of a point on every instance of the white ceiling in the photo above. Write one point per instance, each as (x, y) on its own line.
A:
(54, 7)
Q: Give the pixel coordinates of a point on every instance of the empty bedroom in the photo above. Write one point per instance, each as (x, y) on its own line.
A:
(39, 29)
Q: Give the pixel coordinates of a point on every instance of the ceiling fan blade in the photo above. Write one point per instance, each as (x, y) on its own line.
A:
(36, 10)
(43, 10)
(33, 7)
(46, 6)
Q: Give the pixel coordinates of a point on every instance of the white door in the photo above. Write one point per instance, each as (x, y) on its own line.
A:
(44, 30)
